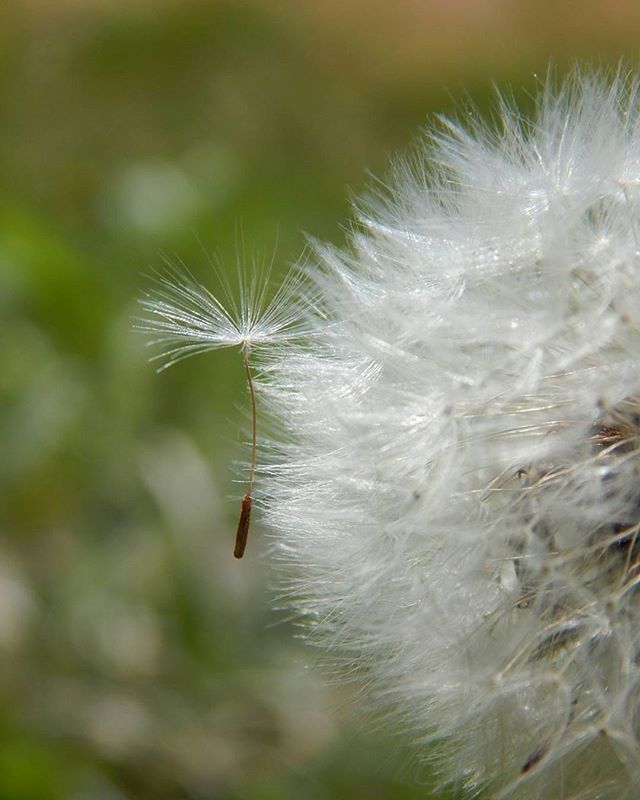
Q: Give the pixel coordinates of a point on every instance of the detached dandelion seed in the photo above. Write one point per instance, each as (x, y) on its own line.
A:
(245, 510)
(186, 318)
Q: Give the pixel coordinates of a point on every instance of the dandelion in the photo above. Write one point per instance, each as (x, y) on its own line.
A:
(455, 499)
(187, 319)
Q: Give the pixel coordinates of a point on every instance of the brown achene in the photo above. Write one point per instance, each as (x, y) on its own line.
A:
(244, 522)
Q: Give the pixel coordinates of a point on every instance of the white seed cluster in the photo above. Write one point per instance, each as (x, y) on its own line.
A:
(457, 490)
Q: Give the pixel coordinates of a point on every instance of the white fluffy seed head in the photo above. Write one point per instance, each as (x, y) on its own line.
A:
(457, 490)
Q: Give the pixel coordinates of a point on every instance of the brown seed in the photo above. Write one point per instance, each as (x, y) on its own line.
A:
(243, 527)
(534, 758)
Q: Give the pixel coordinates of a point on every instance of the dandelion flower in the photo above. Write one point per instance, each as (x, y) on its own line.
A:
(456, 497)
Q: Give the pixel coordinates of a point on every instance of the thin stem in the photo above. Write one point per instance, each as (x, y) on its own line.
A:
(254, 429)
(245, 511)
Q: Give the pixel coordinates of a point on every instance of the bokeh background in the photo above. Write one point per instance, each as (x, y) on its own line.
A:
(138, 660)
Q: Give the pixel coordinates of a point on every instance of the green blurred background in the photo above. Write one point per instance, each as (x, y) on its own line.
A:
(138, 660)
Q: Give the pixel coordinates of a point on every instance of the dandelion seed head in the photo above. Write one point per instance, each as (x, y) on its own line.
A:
(455, 498)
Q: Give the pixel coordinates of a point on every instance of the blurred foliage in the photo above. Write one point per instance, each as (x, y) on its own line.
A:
(137, 660)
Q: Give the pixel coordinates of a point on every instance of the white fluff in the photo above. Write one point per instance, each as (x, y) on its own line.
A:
(456, 493)
(186, 318)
